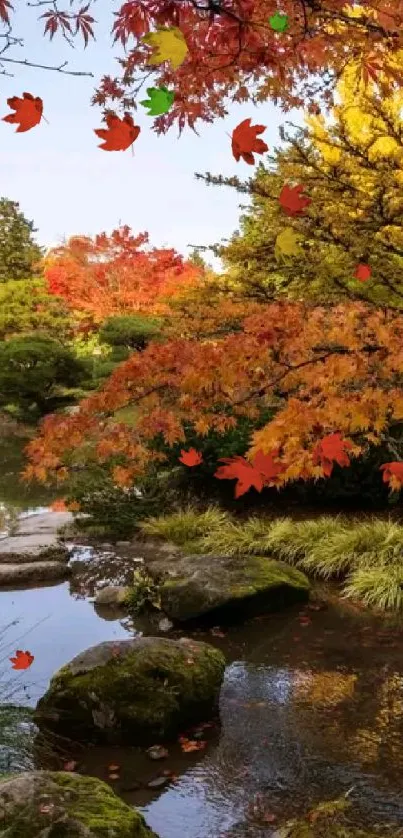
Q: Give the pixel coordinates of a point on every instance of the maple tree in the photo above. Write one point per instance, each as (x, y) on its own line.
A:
(211, 51)
(117, 274)
(316, 363)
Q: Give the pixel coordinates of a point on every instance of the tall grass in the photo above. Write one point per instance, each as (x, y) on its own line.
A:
(366, 554)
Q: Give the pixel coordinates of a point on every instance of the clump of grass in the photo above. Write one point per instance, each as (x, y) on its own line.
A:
(186, 525)
(366, 554)
(380, 586)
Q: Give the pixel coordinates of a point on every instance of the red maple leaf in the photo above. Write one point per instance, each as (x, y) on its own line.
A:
(191, 457)
(245, 141)
(237, 468)
(4, 6)
(370, 69)
(392, 470)
(362, 272)
(292, 201)
(28, 111)
(265, 465)
(54, 20)
(22, 660)
(329, 450)
(120, 133)
(83, 23)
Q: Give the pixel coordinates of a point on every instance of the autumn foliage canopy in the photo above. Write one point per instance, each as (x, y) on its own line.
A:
(332, 373)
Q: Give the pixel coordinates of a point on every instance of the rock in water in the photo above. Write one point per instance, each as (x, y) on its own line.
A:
(225, 589)
(43, 803)
(133, 691)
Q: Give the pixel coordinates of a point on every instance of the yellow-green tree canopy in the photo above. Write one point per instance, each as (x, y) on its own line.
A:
(351, 167)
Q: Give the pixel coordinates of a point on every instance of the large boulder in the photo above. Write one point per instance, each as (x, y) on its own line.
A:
(58, 804)
(221, 588)
(132, 691)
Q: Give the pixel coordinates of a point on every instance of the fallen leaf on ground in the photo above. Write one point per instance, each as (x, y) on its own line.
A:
(189, 745)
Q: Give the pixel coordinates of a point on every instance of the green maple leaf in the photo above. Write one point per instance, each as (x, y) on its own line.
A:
(279, 22)
(159, 101)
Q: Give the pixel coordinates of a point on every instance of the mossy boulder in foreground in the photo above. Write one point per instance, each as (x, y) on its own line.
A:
(221, 588)
(58, 804)
(333, 819)
(132, 691)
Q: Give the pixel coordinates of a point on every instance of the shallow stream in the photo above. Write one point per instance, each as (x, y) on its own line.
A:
(311, 708)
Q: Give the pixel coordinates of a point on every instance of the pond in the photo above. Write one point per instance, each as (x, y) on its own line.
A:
(311, 707)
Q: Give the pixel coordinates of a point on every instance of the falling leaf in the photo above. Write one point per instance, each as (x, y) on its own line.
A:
(159, 100)
(263, 470)
(120, 133)
(22, 660)
(191, 457)
(291, 199)
(287, 244)
(245, 141)
(393, 474)
(362, 272)
(331, 449)
(28, 111)
(168, 45)
(279, 22)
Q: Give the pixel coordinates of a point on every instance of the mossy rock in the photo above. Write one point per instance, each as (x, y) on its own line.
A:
(218, 588)
(58, 804)
(133, 691)
(332, 819)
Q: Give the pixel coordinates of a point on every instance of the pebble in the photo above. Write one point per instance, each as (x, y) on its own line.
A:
(157, 752)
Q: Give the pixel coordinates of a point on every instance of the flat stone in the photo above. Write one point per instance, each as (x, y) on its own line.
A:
(37, 571)
(34, 546)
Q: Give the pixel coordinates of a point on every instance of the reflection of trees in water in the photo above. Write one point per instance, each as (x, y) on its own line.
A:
(297, 737)
(354, 717)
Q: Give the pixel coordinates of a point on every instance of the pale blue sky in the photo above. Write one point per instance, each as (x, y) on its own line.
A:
(69, 186)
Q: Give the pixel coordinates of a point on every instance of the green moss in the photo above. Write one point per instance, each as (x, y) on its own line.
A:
(96, 806)
(75, 801)
(146, 693)
(331, 820)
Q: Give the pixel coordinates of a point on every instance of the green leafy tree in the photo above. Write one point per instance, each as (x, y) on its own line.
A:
(131, 331)
(19, 253)
(26, 307)
(35, 370)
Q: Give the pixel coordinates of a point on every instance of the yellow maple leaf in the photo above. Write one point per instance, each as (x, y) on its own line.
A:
(169, 45)
(287, 244)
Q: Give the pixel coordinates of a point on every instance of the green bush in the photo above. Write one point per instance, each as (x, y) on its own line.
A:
(34, 369)
(114, 511)
(132, 331)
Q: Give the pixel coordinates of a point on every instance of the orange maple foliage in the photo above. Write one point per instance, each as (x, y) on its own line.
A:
(191, 457)
(336, 369)
(117, 274)
(22, 660)
(245, 141)
(28, 111)
(119, 134)
(233, 52)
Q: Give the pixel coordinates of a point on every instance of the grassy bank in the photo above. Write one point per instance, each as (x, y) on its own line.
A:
(365, 556)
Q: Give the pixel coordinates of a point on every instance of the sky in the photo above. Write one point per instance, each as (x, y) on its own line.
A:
(68, 186)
